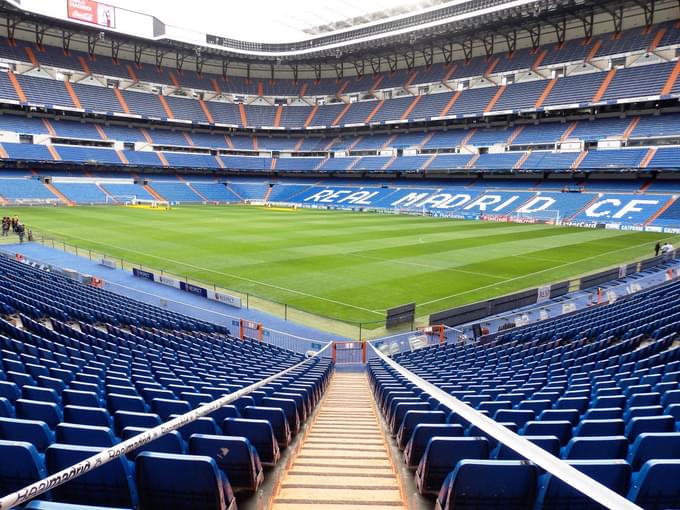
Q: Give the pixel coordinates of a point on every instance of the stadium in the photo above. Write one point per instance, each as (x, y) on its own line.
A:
(335, 255)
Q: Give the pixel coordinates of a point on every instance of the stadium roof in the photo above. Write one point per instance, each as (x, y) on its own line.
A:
(274, 20)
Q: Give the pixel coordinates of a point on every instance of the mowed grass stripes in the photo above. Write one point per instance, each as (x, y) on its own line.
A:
(342, 265)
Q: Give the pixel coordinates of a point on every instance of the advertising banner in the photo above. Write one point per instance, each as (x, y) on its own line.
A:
(140, 273)
(94, 13)
(225, 298)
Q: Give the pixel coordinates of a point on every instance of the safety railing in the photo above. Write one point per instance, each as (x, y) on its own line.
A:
(108, 454)
(533, 453)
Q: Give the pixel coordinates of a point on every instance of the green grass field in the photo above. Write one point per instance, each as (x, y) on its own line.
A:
(342, 265)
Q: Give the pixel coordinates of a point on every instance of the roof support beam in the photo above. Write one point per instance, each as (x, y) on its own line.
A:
(447, 51)
(560, 30)
(511, 41)
(138, 49)
(467, 49)
(428, 55)
(535, 34)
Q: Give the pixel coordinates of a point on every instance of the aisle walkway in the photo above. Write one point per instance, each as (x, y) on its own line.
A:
(343, 463)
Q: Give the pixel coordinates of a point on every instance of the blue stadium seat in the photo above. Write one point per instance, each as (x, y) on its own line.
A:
(52, 505)
(560, 429)
(549, 443)
(181, 482)
(80, 398)
(441, 456)
(656, 486)
(517, 416)
(422, 433)
(654, 445)
(259, 433)
(117, 402)
(47, 412)
(85, 435)
(637, 426)
(592, 448)
(6, 408)
(36, 393)
(590, 428)
(198, 426)
(234, 455)
(554, 494)
(413, 419)
(168, 443)
(122, 419)
(95, 416)
(165, 407)
(31, 431)
(11, 391)
(276, 417)
(476, 484)
(111, 484)
(21, 465)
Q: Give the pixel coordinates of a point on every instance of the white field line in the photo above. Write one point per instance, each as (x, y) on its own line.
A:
(534, 273)
(230, 275)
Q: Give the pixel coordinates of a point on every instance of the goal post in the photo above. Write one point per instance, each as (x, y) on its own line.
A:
(148, 203)
(550, 216)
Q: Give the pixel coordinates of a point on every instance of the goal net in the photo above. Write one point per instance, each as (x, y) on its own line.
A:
(551, 216)
(146, 203)
(120, 199)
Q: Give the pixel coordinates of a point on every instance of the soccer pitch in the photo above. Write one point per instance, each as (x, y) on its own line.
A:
(342, 265)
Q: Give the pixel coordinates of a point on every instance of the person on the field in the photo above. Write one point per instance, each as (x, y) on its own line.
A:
(30, 235)
(5, 226)
(21, 231)
(657, 249)
(667, 249)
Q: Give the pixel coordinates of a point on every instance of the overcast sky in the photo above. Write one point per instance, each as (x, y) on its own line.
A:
(256, 20)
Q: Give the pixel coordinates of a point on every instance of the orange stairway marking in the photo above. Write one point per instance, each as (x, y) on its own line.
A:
(645, 163)
(426, 139)
(410, 79)
(187, 137)
(344, 85)
(390, 141)
(3, 152)
(645, 186)
(17, 86)
(468, 137)
(102, 133)
(216, 86)
(161, 156)
(122, 157)
(375, 109)
(492, 65)
(303, 90)
(539, 59)
(272, 166)
(631, 127)
(521, 161)
(220, 163)
(473, 160)
(242, 113)
(146, 135)
(260, 88)
(604, 85)
(121, 99)
(515, 134)
(132, 74)
(254, 140)
(206, 112)
(449, 105)
(153, 193)
(341, 114)
(495, 98)
(569, 131)
(657, 39)
(53, 152)
(429, 161)
(593, 50)
(166, 106)
(672, 78)
(410, 107)
(449, 73)
(174, 80)
(72, 94)
(662, 210)
(298, 145)
(277, 115)
(31, 56)
(577, 162)
(84, 65)
(62, 198)
(230, 143)
(48, 126)
(546, 92)
(377, 82)
(310, 117)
